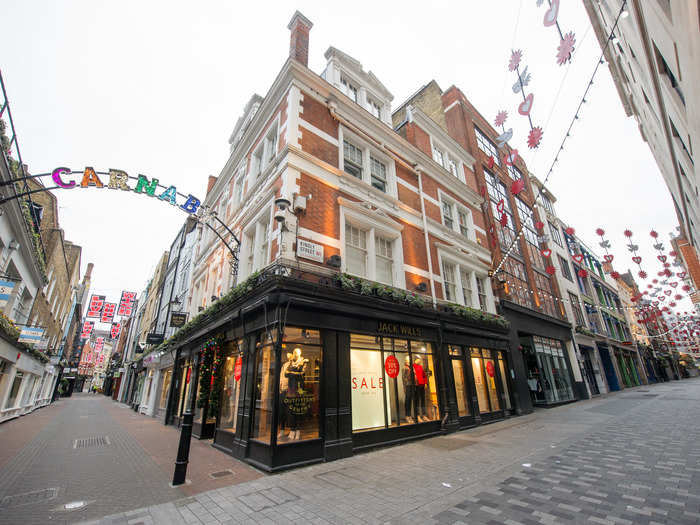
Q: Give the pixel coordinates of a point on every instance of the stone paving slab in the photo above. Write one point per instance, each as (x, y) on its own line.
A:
(617, 459)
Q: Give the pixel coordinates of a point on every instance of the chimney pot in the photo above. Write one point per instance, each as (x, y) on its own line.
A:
(299, 43)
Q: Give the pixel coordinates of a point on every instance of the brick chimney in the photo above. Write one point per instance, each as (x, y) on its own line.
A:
(88, 272)
(299, 43)
(210, 183)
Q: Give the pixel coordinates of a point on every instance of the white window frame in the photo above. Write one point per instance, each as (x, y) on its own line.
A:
(456, 209)
(258, 230)
(462, 268)
(372, 105)
(348, 86)
(367, 152)
(265, 151)
(449, 159)
(375, 226)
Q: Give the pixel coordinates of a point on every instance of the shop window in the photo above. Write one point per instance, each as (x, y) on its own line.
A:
(28, 390)
(232, 372)
(548, 372)
(504, 379)
(14, 390)
(4, 376)
(460, 378)
(392, 382)
(264, 395)
(300, 385)
(484, 369)
(165, 388)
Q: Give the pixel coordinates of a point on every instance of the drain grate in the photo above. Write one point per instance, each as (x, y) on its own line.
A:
(95, 441)
(38, 496)
(221, 474)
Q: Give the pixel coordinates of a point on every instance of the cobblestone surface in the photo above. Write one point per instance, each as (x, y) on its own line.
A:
(626, 458)
(632, 457)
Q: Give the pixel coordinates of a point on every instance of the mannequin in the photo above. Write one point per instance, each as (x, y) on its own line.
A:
(419, 389)
(295, 375)
(408, 387)
(284, 386)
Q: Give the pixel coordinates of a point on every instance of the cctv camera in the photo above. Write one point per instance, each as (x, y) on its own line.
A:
(282, 204)
(279, 215)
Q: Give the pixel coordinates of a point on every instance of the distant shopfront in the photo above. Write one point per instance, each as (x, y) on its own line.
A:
(309, 375)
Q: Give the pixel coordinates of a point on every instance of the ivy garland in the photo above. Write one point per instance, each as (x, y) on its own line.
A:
(210, 376)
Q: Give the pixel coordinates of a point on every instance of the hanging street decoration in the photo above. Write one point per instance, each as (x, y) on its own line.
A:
(95, 306)
(108, 312)
(523, 80)
(116, 330)
(87, 329)
(126, 303)
(567, 41)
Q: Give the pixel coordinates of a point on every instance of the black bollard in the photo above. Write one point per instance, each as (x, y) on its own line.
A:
(183, 450)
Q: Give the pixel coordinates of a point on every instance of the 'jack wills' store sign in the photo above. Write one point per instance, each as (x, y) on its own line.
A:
(397, 329)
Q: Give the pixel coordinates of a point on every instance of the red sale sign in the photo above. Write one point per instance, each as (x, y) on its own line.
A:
(490, 369)
(238, 369)
(391, 365)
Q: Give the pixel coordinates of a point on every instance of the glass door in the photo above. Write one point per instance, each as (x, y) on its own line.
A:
(487, 382)
(463, 390)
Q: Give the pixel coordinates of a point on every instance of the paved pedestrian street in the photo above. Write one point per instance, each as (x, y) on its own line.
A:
(629, 457)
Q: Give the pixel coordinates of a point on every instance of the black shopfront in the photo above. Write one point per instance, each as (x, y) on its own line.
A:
(314, 373)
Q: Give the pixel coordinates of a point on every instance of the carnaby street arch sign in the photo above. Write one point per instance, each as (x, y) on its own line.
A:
(119, 180)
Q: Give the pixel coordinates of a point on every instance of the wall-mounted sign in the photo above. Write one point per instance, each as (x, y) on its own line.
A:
(126, 303)
(178, 319)
(309, 250)
(118, 180)
(6, 288)
(95, 306)
(30, 334)
(108, 312)
(154, 339)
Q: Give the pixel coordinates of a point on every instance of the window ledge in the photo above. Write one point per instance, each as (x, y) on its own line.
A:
(462, 242)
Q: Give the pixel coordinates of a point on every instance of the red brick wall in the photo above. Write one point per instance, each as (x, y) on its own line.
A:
(317, 114)
(409, 197)
(414, 253)
(322, 210)
(318, 147)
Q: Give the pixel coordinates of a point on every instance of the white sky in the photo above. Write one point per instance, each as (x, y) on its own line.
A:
(156, 88)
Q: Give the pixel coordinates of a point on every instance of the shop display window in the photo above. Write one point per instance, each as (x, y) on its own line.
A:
(264, 393)
(460, 377)
(232, 374)
(186, 375)
(392, 382)
(299, 385)
(14, 390)
(484, 368)
(548, 372)
(164, 388)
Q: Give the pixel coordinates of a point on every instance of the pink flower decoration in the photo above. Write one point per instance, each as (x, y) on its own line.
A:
(501, 118)
(566, 47)
(534, 138)
(600, 231)
(654, 234)
(628, 233)
(643, 274)
(515, 57)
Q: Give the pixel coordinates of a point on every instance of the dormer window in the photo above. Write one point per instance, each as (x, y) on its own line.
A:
(349, 89)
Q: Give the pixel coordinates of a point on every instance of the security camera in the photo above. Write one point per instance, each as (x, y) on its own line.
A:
(282, 204)
(280, 215)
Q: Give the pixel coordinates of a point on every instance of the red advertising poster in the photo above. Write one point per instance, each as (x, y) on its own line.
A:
(489, 369)
(238, 369)
(95, 307)
(126, 303)
(108, 312)
(87, 329)
(391, 365)
(116, 329)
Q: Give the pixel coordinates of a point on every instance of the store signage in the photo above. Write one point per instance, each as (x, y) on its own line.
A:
(309, 250)
(108, 312)
(391, 365)
(126, 303)
(30, 334)
(118, 180)
(238, 368)
(490, 370)
(6, 288)
(178, 319)
(154, 339)
(95, 307)
(399, 329)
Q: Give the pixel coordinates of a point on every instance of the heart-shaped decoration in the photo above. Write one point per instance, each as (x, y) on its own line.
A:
(685, 288)
(509, 158)
(662, 258)
(608, 258)
(655, 303)
(668, 292)
(550, 270)
(673, 285)
(526, 105)
(662, 298)
(569, 230)
(615, 275)
(681, 275)
(661, 274)
(550, 17)
(500, 206)
(546, 252)
(637, 259)
(668, 272)
(578, 258)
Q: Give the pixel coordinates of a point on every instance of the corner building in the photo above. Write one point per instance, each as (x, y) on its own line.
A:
(543, 357)
(362, 313)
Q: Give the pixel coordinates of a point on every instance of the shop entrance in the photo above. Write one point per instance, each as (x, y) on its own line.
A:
(548, 373)
(609, 368)
(588, 371)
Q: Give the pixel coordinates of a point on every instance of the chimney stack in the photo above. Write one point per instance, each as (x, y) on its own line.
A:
(88, 272)
(299, 43)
